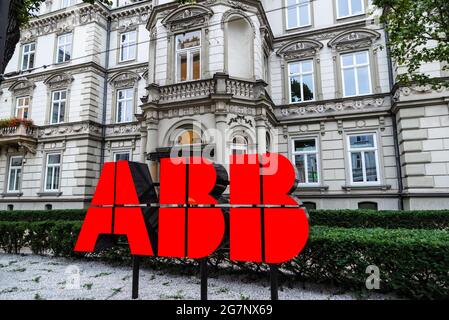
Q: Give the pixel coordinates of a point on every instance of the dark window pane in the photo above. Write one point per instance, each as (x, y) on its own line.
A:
(357, 170)
(370, 164)
(368, 205)
(305, 145)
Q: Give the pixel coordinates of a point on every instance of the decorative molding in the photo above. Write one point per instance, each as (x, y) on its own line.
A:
(61, 130)
(22, 86)
(298, 49)
(124, 79)
(354, 39)
(349, 105)
(122, 129)
(240, 119)
(418, 90)
(58, 80)
(187, 16)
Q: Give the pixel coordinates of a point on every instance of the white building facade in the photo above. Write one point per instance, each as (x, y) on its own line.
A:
(308, 79)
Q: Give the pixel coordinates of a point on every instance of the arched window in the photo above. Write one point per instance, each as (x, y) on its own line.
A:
(188, 137)
(268, 142)
(239, 145)
(367, 205)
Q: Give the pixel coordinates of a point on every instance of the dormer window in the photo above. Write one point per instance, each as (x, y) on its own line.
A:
(188, 56)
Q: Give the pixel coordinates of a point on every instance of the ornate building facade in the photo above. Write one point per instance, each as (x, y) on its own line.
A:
(142, 79)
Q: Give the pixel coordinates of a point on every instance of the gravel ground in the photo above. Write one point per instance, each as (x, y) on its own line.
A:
(42, 277)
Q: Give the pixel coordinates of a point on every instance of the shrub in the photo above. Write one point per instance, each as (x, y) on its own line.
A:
(12, 236)
(42, 215)
(381, 219)
(413, 263)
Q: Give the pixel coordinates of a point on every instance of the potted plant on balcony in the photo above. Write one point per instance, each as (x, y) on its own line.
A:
(15, 122)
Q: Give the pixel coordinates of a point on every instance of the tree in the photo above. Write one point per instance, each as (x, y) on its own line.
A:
(418, 33)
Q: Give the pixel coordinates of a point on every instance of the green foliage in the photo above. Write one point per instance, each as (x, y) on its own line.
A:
(381, 219)
(413, 263)
(41, 215)
(418, 33)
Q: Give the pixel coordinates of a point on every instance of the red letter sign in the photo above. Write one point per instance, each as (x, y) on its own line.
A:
(271, 235)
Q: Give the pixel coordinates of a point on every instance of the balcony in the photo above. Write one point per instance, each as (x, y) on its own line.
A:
(221, 85)
(21, 136)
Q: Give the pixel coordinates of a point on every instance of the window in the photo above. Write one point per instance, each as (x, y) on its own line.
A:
(239, 145)
(52, 172)
(28, 53)
(121, 156)
(356, 73)
(298, 13)
(309, 206)
(22, 107)
(48, 207)
(64, 48)
(58, 104)
(15, 174)
(368, 205)
(363, 158)
(188, 56)
(125, 105)
(128, 46)
(301, 81)
(188, 137)
(10, 207)
(67, 3)
(305, 156)
(347, 8)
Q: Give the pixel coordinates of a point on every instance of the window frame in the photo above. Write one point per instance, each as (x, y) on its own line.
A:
(16, 168)
(59, 105)
(351, 14)
(69, 4)
(28, 55)
(16, 109)
(127, 46)
(306, 153)
(118, 101)
(363, 151)
(298, 5)
(47, 166)
(189, 52)
(121, 152)
(301, 75)
(354, 67)
(65, 45)
(239, 146)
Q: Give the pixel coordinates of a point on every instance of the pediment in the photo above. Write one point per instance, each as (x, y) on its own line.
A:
(58, 80)
(299, 49)
(124, 79)
(22, 86)
(354, 39)
(187, 16)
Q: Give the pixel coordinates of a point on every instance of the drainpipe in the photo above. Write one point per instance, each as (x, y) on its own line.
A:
(105, 94)
(395, 127)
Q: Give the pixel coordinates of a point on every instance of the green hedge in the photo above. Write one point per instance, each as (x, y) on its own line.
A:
(42, 215)
(413, 263)
(381, 219)
(55, 237)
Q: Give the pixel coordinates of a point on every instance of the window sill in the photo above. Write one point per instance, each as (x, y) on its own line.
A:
(384, 187)
(299, 28)
(126, 61)
(312, 188)
(11, 194)
(49, 194)
(351, 17)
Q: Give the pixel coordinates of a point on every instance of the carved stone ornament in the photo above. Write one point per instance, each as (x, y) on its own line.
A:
(186, 17)
(124, 79)
(354, 39)
(22, 87)
(58, 80)
(298, 49)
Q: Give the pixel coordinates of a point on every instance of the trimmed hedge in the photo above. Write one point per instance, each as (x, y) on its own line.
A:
(413, 263)
(381, 219)
(43, 215)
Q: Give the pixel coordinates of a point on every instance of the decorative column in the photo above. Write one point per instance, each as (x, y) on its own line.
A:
(151, 146)
(261, 132)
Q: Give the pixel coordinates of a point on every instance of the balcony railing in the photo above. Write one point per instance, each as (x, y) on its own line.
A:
(221, 84)
(19, 136)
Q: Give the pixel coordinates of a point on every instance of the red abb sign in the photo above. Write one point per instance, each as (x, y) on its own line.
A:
(264, 224)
